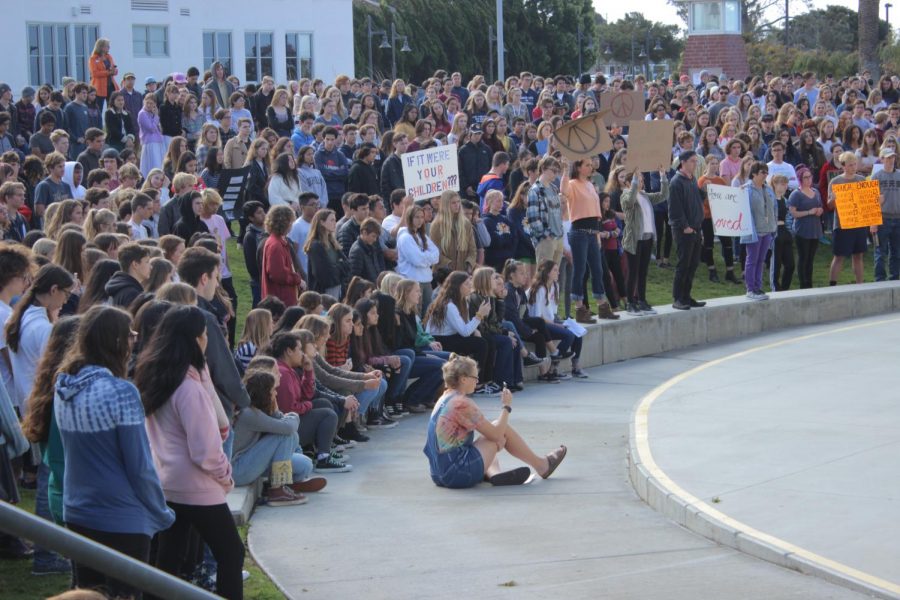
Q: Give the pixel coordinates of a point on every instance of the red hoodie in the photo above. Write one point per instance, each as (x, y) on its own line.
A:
(295, 390)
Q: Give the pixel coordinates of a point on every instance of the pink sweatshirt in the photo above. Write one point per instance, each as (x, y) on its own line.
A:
(187, 447)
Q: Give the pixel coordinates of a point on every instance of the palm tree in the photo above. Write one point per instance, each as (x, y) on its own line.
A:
(868, 37)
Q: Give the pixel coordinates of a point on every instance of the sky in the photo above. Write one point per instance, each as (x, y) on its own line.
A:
(661, 10)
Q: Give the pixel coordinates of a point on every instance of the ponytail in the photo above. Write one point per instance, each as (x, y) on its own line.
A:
(48, 276)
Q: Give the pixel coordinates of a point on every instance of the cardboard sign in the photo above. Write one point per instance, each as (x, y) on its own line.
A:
(429, 173)
(857, 203)
(623, 107)
(650, 145)
(584, 137)
(730, 208)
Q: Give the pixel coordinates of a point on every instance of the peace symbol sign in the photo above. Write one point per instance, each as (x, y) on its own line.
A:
(622, 105)
(583, 137)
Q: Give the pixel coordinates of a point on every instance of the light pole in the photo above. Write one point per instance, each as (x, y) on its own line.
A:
(887, 12)
(370, 32)
(491, 39)
(590, 46)
(395, 37)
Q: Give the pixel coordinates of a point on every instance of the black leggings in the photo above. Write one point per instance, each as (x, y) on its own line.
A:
(318, 426)
(228, 286)
(135, 545)
(612, 272)
(539, 334)
(806, 256)
(216, 526)
(783, 267)
(638, 264)
(663, 230)
(706, 255)
(475, 348)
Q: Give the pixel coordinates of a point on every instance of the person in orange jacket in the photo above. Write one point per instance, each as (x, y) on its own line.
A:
(103, 71)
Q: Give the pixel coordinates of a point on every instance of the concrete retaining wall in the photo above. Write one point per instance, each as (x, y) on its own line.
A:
(728, 318)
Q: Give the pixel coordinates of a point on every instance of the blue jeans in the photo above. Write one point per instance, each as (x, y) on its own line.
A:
(42, 509)
(566, 338)
(255, 292)
(888, 245)
(257, 460)
(368, 398)
(397, 383)
(507, 364)
(586, 255)
(427, 370)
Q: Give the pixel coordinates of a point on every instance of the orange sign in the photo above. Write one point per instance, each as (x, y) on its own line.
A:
(858, 203)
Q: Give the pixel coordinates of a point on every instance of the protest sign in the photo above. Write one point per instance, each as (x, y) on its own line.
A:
(623, 107)
(429, 173)
(730, 208)
(857, 203)
(583, 138)
(650, 145)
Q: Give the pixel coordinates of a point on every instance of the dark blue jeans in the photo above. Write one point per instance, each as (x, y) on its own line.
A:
(586, 255)
(888, 246)
(426, 370)
(566, 338)
(505, 359)
(397, 381)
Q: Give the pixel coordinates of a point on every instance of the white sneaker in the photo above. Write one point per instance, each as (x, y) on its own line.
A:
(762, 296)
(488, 391)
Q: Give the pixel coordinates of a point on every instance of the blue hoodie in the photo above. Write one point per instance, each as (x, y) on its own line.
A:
(300, 139)
(110, 483)
(335, 167)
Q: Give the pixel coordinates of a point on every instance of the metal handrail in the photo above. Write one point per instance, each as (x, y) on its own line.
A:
(82, 550)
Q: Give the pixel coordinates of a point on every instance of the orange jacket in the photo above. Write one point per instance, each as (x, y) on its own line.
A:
(100, 74)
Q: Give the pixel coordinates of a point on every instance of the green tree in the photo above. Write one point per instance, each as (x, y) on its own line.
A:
(832, 29)
(634, 32)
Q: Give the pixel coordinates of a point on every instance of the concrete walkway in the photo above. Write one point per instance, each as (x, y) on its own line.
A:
(385, 531)
(798, 439)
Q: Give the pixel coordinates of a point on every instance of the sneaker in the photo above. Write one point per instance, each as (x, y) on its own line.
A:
(284, 496)
(400, 410)
(646, 308)
(54, 566)
(329, 465)
(380, 423)
(340, 441)
(388, 416)
(245, 575)
(548, 377)
(679, 305)
(313, 484)
(633, 309)
(351, 432)
(567, 354)
(486, 391)
(532, 360)
(761, 295)
(561, 375)
(416, 409)
(697, 303)
(579, 374)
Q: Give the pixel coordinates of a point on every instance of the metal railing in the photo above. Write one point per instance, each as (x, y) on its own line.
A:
(20, 523)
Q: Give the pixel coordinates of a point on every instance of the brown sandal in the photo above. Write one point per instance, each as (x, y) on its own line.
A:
(554, 458)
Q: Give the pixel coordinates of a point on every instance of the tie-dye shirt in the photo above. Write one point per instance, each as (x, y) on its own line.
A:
(454, 422)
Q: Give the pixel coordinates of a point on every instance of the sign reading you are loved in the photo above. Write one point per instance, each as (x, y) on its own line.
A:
(429, 173)
(730, 208)
(858, 203)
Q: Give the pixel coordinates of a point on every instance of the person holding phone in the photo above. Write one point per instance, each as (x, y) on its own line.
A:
(458, 460)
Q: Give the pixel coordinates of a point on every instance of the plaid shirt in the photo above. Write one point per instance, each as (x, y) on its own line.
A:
(543, 216)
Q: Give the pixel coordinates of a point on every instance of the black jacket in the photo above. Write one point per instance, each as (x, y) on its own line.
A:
(257, 187)
(170, 119)
(188, 224)
(391, 176)
(122, 289)
(253, 240)
(116, 124)
(259, 102)
(326, 267)
(685, 204)
(363, 179)
(474, 162)
(347, 235)
(515, 299)
(366, 260)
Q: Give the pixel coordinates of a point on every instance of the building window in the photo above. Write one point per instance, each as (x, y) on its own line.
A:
(258, 55)
(217, 47)
(715, 17)
(85, 38)
(298, 55)
(48, 53)
(150, 41)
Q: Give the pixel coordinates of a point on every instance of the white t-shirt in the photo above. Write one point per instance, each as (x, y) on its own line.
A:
(138, 232)
(647, 213)
(35, 331)
(218, 228)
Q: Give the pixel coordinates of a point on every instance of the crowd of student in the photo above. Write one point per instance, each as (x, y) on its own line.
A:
(141, 407)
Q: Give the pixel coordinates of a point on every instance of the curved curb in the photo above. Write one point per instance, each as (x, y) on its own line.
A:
(265, 571)
(655, 488)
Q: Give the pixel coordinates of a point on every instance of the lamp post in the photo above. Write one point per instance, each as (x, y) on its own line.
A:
(492, 38)
(370, 33)
(395, 37)
(581, 46)
(887, 12)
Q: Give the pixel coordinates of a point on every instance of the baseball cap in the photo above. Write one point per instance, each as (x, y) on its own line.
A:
(4, 87)
(149, 80)
(179, 78)
(475, 128)
(110, 153)
(28, 92)
(129, 75)
(885, 152)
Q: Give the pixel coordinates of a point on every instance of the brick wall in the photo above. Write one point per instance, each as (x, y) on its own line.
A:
(725, 52)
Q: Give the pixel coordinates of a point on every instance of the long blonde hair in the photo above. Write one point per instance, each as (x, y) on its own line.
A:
(447, 224)
(257, 328)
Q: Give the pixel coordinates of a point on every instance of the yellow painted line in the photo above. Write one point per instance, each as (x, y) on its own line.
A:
(642, 444)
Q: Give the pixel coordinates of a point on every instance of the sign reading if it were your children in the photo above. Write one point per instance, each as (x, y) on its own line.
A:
(429, 173)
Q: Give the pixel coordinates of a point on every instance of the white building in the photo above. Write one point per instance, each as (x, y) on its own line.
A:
(46, 40)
